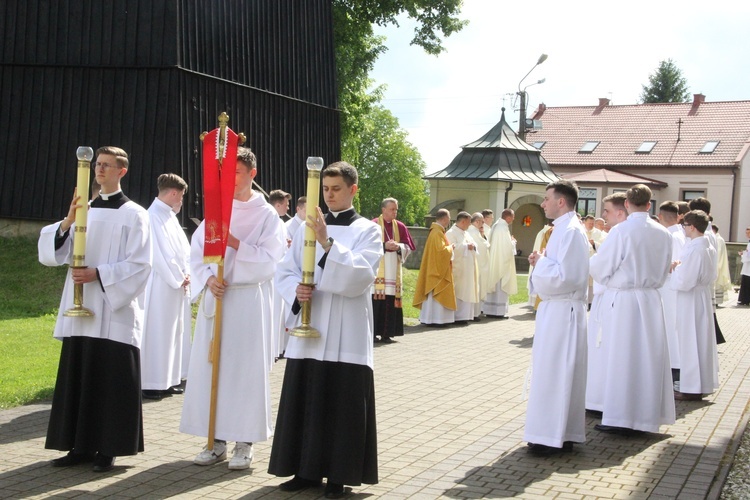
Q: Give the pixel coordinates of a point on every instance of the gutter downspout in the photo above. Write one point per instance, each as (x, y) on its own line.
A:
(510, 186)
(732, 237)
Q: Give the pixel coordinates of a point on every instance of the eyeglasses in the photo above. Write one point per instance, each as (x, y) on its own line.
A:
(104, 166)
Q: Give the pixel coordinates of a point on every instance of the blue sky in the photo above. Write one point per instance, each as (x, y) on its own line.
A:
(596, 49)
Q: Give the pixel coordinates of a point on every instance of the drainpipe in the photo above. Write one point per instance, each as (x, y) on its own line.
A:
(733, 237)
(510, 186)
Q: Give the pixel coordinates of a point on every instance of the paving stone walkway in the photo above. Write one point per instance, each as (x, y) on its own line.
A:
(450, 424)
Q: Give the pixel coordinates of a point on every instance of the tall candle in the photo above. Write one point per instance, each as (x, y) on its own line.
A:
(314, 166)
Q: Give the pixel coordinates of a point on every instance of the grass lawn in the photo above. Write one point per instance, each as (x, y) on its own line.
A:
(29, 297)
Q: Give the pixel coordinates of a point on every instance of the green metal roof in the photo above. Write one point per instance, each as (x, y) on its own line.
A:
(498, 155)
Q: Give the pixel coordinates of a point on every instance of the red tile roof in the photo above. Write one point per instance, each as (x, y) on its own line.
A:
(622, 129)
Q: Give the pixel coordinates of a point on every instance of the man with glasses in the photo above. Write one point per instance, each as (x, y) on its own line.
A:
(96, 407)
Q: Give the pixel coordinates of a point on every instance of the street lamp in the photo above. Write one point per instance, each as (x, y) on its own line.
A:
(523, 95)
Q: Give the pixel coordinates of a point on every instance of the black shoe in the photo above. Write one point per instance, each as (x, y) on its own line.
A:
(387, 340)
(152, 394)
(376, 340)
(72, 458)
(299, 483)
(334, 490)
(622, 431)
(542, 450)
(103, 463)
(175, 390)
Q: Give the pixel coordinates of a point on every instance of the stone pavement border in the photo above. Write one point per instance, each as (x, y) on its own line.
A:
(450, 424)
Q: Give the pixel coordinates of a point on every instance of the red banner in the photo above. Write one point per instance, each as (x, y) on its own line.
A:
(219, 163)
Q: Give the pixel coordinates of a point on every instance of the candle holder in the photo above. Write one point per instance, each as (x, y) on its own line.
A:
(314, 166)
(85, 155)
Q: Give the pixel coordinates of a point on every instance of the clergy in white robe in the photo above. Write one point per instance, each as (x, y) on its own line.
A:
(167, 293)
(326, 424)
(255, 245)
(96, 407)
(388, 287)
(693, 279)
(705, 205)
(613, 208)
(555, 416)
(298, 221)
(476, 231)
(502, 274)
(633, 264)
(434, 293)
(668, 217)
(723, 284)
(465, 271)
(540, 243)
(488, 217)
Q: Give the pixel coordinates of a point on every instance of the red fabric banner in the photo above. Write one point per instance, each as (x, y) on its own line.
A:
(218, 191)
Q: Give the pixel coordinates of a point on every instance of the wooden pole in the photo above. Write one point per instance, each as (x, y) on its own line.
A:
(213, 357)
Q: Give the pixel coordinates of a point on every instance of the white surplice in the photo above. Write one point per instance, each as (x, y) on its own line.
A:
(483, 265)
(556, 408)
(633, 264)
(244, 394)
(167, 302)
(502, 281)
(118, 246)
(669, 299)
(693, 280)
(723, 284)
(293, 224)
(341, 287)
(465, 273)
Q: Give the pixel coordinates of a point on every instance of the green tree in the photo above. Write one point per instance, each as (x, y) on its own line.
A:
(666, 84)
(357, 49)
(390, 167)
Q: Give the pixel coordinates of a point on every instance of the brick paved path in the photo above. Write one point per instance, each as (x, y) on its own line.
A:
(450, 424)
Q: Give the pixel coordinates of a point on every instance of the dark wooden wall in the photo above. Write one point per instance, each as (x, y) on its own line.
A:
(150, 76)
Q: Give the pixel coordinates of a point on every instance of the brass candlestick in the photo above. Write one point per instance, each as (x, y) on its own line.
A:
(314, 166)
(85, 155)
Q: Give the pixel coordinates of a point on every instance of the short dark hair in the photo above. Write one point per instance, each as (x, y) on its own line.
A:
(120, 155)
(507, 213)
(698, 219)
(487, 212)
(616, 199)
(344, 170)
(442, 213)
(171, 181)
(302, 200)
(683, 207)
(669, 206)
(700, 204)
(639, 195)
(247, 157)
(565, 189)
(277, 195)
(463, 215)
(476, 216)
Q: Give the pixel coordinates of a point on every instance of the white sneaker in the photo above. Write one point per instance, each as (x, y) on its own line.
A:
(210, 457)
(242, 456)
